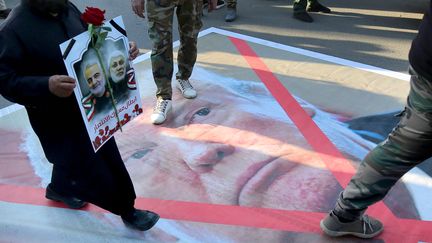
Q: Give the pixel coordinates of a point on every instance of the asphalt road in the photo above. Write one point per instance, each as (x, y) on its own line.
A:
(377, 33)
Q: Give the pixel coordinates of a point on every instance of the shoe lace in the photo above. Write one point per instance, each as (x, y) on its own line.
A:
(185, 84)
(366, 223)
(161, 106)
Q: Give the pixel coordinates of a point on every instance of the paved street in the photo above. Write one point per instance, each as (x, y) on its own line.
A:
(377, 33)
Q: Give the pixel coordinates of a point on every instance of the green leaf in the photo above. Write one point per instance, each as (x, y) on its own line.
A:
(106, 28)
(103, 35)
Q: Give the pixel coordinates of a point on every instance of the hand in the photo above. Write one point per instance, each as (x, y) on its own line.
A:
(61, 85)
(133, 50)
(138, 7)
(211, 5)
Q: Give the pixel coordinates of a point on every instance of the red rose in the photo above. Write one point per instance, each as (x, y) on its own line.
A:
(93, 16)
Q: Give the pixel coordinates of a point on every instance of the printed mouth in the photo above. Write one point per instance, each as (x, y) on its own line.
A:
(249, 174)
(259, 177)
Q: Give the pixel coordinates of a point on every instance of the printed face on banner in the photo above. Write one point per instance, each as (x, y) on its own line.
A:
(106, 93)
(234, 145)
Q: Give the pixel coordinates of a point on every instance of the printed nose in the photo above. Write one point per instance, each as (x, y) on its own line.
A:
(202, 158)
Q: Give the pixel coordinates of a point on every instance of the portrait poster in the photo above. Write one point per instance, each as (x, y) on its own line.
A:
(106, 90)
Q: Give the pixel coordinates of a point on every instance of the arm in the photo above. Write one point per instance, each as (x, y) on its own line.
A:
(26, 89)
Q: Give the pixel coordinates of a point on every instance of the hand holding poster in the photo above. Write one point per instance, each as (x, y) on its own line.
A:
(106, 92)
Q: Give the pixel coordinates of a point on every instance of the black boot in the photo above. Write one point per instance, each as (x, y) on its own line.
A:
(318, 7)
(303, 16)
(71, 202)
(140, 219)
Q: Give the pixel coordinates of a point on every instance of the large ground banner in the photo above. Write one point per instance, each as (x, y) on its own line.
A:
(260, 155)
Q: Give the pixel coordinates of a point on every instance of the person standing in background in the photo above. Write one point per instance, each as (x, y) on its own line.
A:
(301, 7)
(231, 14)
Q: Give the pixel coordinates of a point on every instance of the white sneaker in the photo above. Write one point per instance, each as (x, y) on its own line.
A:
(160, 111)
(186, 88)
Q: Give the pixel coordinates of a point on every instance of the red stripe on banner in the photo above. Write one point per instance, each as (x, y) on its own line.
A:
(331, 156)
(404, 230)
(34, 196)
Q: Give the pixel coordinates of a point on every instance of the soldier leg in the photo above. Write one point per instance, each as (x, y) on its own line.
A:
(189, 21)
(231, 3)
(409, 144)
(160, 33)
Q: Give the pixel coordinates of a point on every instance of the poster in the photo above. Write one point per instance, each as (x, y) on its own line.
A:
(106, 90)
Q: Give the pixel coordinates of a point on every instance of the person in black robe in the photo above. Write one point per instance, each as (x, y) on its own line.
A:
(32, 73)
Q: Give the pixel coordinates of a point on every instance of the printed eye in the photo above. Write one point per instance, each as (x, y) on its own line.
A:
(202, 112)
(140, 153)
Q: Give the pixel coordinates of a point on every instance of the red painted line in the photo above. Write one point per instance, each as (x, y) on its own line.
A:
(293, 221)
(331, 156)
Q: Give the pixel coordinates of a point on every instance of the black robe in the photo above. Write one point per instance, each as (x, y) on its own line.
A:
(29, 55)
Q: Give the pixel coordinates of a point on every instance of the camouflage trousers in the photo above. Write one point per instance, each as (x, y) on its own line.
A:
(300, 5)
(409, 144)
(231, 3)
(160, 15)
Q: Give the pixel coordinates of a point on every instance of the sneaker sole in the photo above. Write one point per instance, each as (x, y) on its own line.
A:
(342, 233)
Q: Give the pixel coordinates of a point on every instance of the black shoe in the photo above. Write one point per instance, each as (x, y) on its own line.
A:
(231, 14)
(140, 219)
(303, 16)
(318, 7)
(4, 13)
(71, 202)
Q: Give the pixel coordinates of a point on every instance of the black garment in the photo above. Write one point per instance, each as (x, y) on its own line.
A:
(29, 55)
(420, 55)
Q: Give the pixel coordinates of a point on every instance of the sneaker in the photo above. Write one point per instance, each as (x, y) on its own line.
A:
(365, 227)
(318, 7)
(140, 219)
(303, 16)
(186, 88)
(160, 112)
(4, 13)
(71, 202)
(220, 4)
(231, 14)
(205, 3)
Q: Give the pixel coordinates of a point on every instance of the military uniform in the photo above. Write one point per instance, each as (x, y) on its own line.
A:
(408, 145)
(231, 3)
(160, 17)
